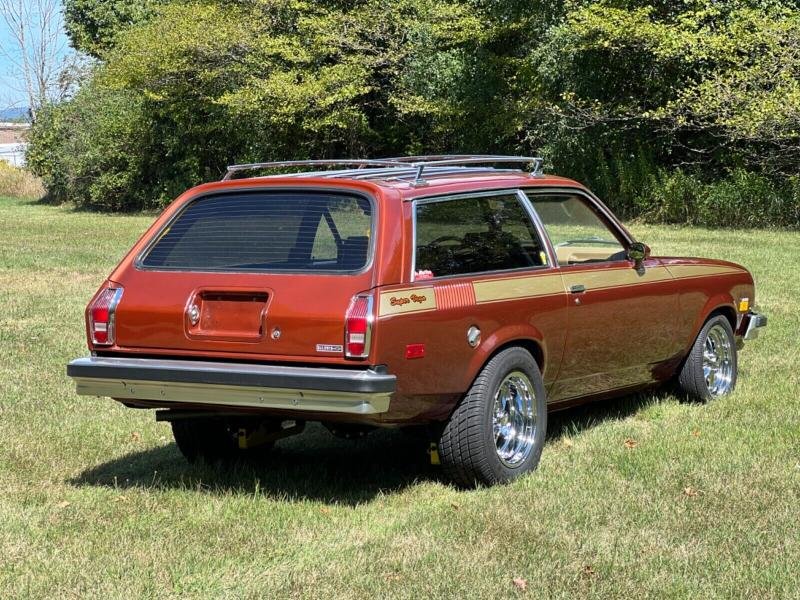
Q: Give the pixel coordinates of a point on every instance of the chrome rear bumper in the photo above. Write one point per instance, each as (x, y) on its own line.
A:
(175, 382)
(755, 322)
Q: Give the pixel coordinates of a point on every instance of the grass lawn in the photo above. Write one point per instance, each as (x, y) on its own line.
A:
(644, 496)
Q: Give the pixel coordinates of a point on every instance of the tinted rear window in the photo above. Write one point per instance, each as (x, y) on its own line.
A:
(267, 232)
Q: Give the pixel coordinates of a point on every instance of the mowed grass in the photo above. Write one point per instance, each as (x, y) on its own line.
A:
(644, 496)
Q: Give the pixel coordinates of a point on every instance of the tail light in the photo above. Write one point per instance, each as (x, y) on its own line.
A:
(100, 316)
(358, 327)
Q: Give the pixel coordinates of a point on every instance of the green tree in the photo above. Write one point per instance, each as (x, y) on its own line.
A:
(93, 25)
(665, 109)
(623, 93)
(208, 84)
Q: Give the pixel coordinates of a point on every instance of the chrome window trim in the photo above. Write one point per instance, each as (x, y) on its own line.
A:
(552, 259)
(412, 277)
(610, 219)
(545, 242)
(461, 195)
(374, 205)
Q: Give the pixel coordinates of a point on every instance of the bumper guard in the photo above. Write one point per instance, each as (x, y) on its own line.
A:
(755, 321)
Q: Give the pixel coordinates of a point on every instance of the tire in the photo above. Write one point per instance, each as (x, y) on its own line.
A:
(477, 446)
(699, 378)
(212, 440)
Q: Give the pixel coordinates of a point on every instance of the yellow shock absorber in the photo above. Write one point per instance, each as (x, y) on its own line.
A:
(433, 451)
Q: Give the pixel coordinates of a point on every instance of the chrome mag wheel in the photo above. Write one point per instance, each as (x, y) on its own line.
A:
(718, 361)
(514, 419)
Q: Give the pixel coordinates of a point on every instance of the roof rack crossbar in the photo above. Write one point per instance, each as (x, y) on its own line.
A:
(411, 172)
(461, 158)
(420, 162)
(403, 164)
(232, 169)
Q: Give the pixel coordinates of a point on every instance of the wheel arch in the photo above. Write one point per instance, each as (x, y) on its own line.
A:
(527, 338)
(727, 311)
(533, 347)
(721, 304)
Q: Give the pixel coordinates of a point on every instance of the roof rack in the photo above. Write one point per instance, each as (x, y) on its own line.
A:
(401, 164)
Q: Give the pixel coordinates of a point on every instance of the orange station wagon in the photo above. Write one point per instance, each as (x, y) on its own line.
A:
(443, 291)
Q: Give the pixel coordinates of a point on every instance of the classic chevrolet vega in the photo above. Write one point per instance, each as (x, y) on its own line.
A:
(438, 291)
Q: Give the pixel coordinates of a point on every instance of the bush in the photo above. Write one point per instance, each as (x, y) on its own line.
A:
(740, 199)
(749, 200)
(90, 151)
(635, 187)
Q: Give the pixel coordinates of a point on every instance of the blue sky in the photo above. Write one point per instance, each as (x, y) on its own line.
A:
(11, 89)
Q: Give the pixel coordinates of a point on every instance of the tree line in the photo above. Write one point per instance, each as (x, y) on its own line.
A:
(683, 111)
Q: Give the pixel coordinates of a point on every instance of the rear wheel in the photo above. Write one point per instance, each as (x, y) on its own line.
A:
(496, 433)
(711, 368)
(213, 440)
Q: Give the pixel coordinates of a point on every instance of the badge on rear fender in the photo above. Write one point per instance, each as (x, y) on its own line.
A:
(329, 348)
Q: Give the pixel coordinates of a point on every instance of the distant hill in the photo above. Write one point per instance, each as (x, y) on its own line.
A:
(10, 115)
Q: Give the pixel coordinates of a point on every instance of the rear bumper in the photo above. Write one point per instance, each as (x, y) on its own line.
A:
(177, 382)
(753, 322)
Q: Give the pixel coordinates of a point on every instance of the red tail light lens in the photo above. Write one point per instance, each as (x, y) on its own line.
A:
(358, 327)
(100, 316)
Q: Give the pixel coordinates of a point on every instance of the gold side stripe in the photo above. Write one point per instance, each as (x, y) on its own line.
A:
(547, 285)
(534, 286)
(407, 301)
(686, 271)
(517, 287)
(613, 278)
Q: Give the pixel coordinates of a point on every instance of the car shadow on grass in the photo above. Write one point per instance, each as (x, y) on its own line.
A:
(573, 421)
(314, 465)
(317, 466)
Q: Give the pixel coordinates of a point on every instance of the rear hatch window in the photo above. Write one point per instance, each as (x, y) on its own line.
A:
(267, 232)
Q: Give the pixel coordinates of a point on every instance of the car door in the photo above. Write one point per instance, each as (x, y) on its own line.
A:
(479, 263)
(620, 317)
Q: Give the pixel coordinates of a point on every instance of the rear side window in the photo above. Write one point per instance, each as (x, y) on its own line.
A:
(474, 235)
(287, 231)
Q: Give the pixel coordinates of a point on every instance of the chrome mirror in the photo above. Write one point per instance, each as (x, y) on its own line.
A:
(638, 252)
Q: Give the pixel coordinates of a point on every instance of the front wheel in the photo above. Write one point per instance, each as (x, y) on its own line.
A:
(711, 368)
(497, 432)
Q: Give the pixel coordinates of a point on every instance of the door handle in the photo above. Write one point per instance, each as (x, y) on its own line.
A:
(578, 288)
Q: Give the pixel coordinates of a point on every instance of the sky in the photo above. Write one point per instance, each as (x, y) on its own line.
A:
(11, 88)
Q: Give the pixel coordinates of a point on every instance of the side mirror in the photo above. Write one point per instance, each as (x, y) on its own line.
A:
(638, 252)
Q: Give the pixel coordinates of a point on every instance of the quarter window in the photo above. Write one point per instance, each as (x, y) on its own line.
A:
(474, 235)
(577, 232)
